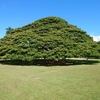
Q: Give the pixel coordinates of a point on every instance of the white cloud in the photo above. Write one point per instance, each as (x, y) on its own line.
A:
(96, 38)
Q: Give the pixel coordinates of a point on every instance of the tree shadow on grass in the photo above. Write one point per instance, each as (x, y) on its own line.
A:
(42, 62)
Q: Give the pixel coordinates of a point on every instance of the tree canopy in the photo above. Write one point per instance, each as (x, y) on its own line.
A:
(48, 38)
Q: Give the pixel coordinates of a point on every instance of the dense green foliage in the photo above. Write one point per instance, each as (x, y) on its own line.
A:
(48, 38)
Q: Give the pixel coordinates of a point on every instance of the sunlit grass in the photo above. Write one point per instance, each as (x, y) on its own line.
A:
(79, 82)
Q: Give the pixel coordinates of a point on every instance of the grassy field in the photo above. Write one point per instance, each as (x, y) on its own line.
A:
(77, 82)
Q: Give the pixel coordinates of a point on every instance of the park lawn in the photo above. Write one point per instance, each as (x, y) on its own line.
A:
(77, 82)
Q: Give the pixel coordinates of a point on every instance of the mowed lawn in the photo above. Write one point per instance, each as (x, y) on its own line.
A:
(77, 82)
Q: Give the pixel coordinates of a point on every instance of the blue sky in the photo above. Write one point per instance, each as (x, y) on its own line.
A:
(85, 14)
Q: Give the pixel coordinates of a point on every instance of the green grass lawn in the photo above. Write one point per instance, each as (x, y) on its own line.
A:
(77, 82)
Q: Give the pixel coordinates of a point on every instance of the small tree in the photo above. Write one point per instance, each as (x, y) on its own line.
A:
(8, 30)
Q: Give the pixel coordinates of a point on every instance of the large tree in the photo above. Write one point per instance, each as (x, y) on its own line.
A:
(48, 38)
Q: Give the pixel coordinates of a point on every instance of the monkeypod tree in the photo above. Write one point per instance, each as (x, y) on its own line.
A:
(49, 38)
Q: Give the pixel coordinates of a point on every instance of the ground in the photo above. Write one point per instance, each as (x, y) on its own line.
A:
(75, 82)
